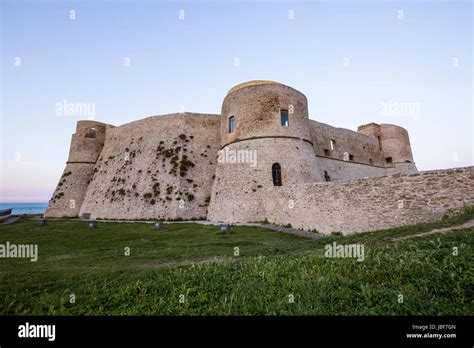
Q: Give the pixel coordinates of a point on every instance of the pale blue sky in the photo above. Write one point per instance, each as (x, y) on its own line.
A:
(425, 59)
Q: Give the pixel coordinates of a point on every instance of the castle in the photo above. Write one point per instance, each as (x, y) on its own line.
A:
(261, 159)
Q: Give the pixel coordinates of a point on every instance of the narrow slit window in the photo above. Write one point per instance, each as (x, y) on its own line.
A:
(284, 118)
(231, 124)
(326, 176)
(276, 174)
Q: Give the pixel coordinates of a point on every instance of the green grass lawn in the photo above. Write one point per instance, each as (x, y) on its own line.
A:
(196, 263)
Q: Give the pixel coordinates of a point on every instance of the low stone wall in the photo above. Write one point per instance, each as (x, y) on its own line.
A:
(373, 203)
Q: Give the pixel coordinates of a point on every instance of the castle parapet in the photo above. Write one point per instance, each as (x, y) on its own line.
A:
(86, 145)
(87, 142)
(258, 109)
(394, 143)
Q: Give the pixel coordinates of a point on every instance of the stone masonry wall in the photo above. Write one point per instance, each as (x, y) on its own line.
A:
(371, 204)
(367, 158)
(256, 110)
(239, 193)
(165, 167)
(158, 167)
(346, 170)
(69, 193)
(364, 148)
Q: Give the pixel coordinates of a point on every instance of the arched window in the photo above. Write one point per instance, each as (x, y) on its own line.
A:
(276, 174)
(231, 124)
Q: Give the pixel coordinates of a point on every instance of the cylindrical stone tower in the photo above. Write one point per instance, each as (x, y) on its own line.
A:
(396, 146)
(87, 142)
(86, 145)
(265, 144)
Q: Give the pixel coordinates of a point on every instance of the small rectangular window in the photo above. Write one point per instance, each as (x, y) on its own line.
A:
(333, 144)
(91, 133)
(284, 118)
(326, 152)
(370, 161)
(231, 124)
(351, 157)
(389, 160)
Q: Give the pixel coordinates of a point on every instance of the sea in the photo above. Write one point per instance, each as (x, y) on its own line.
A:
(25, 208)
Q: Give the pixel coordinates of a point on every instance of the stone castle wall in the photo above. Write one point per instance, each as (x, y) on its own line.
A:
(86, 145)
(256, 109)
(364, 148)
(338, 170)
(363, 153)
(189, 166)
(237, 194)
(372, 204)
(87, 142)
(69, 193)
(159, 167)
(239, 191)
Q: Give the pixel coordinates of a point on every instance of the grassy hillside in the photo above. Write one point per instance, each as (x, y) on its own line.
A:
(197, 264)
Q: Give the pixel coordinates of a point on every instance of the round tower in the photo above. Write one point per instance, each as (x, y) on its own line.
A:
(86, 145)
(396, 147)
(87, 142)
(265, 144)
